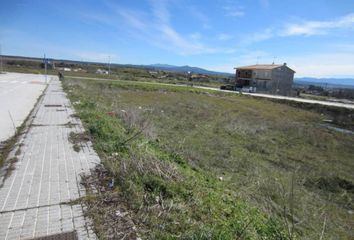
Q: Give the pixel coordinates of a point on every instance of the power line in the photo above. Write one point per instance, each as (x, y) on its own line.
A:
(274, 59)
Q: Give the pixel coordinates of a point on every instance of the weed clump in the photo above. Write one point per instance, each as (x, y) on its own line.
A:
(78, 138)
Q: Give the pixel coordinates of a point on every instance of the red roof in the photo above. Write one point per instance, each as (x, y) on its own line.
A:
(262, 67)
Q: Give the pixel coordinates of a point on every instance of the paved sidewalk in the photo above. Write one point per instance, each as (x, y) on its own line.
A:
(33, 199)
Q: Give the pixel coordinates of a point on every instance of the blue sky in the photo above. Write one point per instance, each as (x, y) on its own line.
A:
(316, 38)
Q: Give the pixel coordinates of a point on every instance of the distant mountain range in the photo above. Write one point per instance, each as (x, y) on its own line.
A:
(173, 68)
(158, 66)
(187, 68)
(326, 82)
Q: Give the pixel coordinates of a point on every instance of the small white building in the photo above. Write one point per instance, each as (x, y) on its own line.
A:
(65, 69)
(101, 71)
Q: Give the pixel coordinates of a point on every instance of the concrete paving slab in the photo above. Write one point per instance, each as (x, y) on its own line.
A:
(18, 95)
(34, 197)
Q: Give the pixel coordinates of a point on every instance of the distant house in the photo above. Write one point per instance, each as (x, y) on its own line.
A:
(153, 72)
(102, 71)
(199, 76)
(268, 78)
(65, 69)
(79, 70)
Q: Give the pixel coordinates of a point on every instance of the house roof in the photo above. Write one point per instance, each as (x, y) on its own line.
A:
(263, 67)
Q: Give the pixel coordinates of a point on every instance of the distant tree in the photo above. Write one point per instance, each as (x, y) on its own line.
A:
(316, 88)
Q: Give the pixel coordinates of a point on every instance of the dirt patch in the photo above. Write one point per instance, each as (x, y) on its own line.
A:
(70, 124)
(107, 209)
(38, 125)
(53, 105)
(75, 115)
(77, 139)
(8, 158)
(10, 167)
(331, 184)
(18, 152)
(60, 236)
(341, 117)
(335, 189)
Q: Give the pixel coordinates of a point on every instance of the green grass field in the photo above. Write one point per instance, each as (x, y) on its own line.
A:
(196, 164)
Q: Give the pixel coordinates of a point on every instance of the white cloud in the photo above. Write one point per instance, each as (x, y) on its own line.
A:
(252, 57)
(206, 26)
(308, 28)
(133, 19)
(169, 36)
(157, 30)
(264, 3)
(233, 11)
(92, 17)
(160, 11)
(323, 65)
(228, 68)
(196, 13)
(171, 40)
(224, 36)
(348, 47)
(243, 58)
(236, 13)
(95, 56)
(258, 36)
(195, 36)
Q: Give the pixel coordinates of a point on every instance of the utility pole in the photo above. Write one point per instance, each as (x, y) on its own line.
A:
(45, 68)
(109, 66)
(274, 59)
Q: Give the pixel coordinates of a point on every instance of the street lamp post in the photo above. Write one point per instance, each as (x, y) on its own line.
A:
(109, 66)
(45, 68)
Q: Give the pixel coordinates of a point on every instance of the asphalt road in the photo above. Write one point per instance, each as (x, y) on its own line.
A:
(18, 95)
(294, 99)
